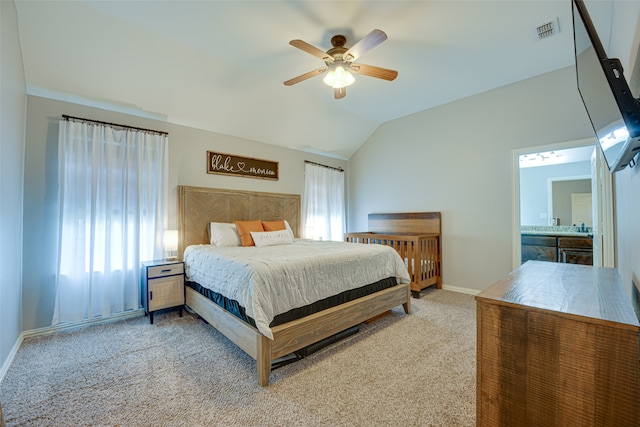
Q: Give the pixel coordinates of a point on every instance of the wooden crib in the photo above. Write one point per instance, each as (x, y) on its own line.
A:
(415, 236)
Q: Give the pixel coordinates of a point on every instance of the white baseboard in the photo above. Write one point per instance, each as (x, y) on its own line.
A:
(12, 354)
(65, 326)
(461, 290)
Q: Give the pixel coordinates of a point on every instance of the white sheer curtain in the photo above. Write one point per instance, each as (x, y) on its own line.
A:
(323, 213)
(113, 195)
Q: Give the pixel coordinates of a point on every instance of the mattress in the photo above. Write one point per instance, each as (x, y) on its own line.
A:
(295, 313)
(269, 281)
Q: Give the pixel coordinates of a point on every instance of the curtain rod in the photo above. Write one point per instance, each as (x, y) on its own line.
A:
(64, 116)
(324, 166)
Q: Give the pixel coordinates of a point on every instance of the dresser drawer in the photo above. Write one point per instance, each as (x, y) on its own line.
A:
(165, 270)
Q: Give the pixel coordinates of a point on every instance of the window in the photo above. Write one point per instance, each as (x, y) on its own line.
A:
(323, 212)
(112, 215)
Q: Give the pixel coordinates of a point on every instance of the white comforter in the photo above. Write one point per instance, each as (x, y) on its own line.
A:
(272, 280)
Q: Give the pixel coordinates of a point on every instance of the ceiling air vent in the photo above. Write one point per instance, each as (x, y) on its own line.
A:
(547, 29)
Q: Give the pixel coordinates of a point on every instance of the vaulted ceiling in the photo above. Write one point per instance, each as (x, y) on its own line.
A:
(220, 65)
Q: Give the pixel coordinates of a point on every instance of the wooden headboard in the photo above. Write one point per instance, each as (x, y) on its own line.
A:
(405, 223)
(198, 206)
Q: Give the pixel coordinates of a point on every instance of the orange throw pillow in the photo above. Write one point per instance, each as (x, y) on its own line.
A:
(273, 225)
(245, 228)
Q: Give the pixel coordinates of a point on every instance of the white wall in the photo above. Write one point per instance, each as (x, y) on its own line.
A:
(457, 159)
(187, 166)
(626, 46)
(627, 211)
(12, 116)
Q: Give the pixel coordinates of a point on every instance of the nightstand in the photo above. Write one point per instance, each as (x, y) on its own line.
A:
(162, 286)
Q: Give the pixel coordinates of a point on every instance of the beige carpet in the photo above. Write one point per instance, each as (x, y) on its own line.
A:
(402, 370)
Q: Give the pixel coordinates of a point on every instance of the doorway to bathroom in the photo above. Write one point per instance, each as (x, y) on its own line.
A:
(566, 187)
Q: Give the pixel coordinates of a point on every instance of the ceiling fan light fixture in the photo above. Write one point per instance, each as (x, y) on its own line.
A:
(339, 67)
(338, 77)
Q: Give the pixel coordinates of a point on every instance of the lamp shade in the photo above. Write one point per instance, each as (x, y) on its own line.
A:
(170, 240)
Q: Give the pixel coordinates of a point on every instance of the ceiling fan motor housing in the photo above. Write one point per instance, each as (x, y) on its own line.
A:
(338, 49)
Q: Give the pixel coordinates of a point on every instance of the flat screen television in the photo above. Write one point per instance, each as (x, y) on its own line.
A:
(612, 109)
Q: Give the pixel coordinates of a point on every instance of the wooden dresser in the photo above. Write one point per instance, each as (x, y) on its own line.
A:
(558, 345)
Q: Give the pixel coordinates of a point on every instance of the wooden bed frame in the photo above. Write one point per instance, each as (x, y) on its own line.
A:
(416, 238)
(198, 206)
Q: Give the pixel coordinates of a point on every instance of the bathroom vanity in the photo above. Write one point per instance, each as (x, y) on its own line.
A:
(557, 244)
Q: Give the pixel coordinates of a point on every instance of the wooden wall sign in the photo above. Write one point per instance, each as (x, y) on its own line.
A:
(228, 164)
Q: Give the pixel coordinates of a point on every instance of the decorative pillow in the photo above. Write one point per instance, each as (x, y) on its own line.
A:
(271, 238)
(224, 234)
(273, 225)
(277, 225)
(245, 228)
(288, 227)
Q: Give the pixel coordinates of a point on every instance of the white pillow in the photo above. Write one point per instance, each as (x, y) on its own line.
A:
(224, 234)
(272, 238)
(286, 224)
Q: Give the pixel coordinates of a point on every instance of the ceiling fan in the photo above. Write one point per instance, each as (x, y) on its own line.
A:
(339, 62)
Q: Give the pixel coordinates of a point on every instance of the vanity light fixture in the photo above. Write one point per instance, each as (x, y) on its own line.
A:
(540, 157)
(543, 158)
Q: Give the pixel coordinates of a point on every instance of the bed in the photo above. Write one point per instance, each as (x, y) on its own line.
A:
(416, 238)
(198, 207)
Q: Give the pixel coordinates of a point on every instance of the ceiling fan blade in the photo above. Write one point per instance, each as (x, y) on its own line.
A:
(305, 76)
(371, 40)
(302, 45)
(372, 71)
(339, 92)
